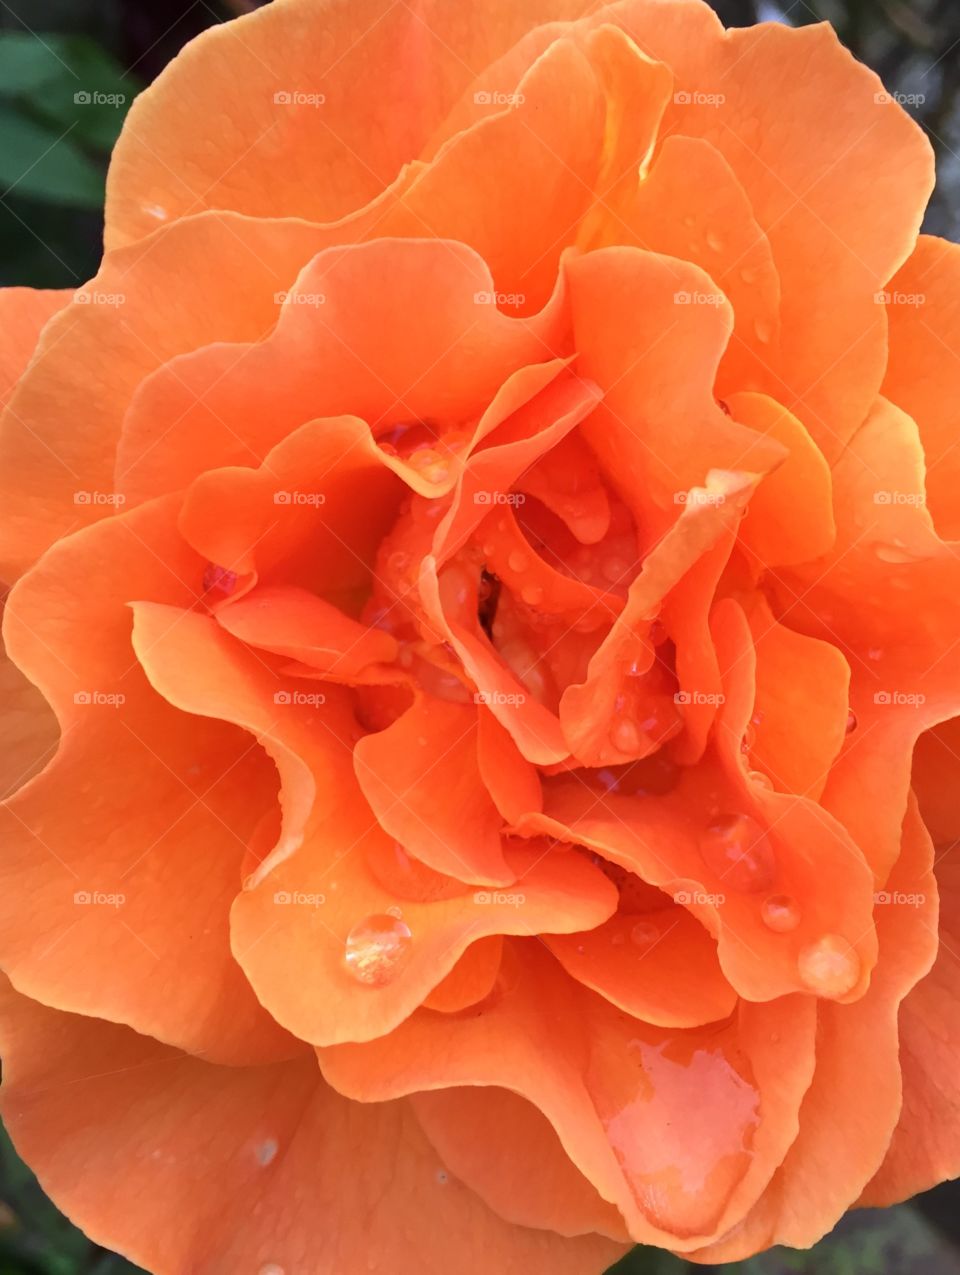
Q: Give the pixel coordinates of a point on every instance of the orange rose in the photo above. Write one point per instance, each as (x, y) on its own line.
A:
(502, 432)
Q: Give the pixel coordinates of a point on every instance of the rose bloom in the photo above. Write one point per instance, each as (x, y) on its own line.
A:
(484, 563)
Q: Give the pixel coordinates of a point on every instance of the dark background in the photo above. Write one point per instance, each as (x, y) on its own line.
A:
(54, 148)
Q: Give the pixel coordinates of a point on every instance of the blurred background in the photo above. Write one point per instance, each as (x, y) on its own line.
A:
(69, 70)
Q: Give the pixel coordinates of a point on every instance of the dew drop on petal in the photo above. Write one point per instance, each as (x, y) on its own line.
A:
(763, 331)
(714, 242)
(375, 949)
(780, 913)
(644, 933)
(267, 1151)
(517, 561)
(271, 1268)
(625, 736)
(851, 722)
(532, 594)
(830, 966)
(758, 777)
(738, 850)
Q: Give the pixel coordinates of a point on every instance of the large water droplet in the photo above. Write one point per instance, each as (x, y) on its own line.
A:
(780, 913)
(375, 949)
(738, 850)
(644, 934)
(830, 966)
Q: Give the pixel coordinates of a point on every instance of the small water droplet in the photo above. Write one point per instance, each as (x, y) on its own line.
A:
(830, 966)
(271, 1268)
(780, 913)
(758, 777)
(748, 274)
(763, 330)
(616, 570)
(267, 1151)
(375, 948)
(430, 465)
(644, 933)
(532, 594)
(875, 653)
(517, 561)
(714, 242)
(442, 1177)
(851, 722)
(738, 850)
(625, 736)
(749, 739)
(896, 554)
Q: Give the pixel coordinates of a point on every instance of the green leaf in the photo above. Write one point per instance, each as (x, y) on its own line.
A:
(27, 63)
(44, 162)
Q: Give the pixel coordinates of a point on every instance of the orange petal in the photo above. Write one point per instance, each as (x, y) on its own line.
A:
(62, 422)
(791, 515)
(839, 194)
(355, 95)
(344, 343)
(530, 1181)
(936, 780)
(627, 1101)
(130, 843)
(658, 431)
(298, 624)
(471, 979)
(658, 966)
(24, 313)
(220, 1169)
(851, 1108)
(923, 1149)
(422, 781)
(690, 205)
(923, 312)
(511, 780)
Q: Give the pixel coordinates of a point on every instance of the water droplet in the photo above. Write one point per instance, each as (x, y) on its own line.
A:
(430, 465)
(763, 330)
(644, 933)
(625, 736)
(851, 722)
(780, 913)
(267, 1151)
(749, 739)
(758, 777)
(157, 211)
(896, 554)
(442, 1177)
(219, 580)
(616, 570)
(875, 653)
(748, 274)
(830, 966)
(375, 948)
(532, 594)
(714, 242)
(738, 850)
(517, 561)
(721, 403)
(271, 1268)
